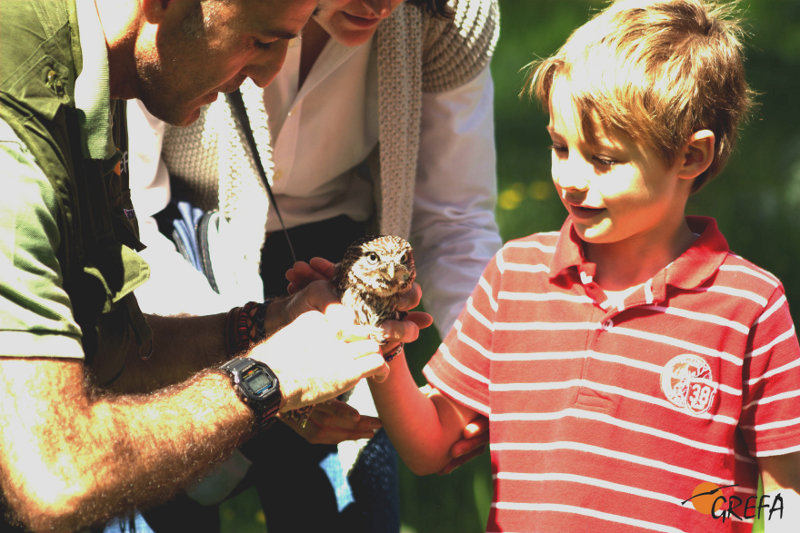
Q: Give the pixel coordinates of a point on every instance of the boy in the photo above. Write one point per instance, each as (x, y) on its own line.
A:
(637, 375)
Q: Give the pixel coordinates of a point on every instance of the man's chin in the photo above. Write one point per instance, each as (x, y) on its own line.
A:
(189, 112)
(186, 119)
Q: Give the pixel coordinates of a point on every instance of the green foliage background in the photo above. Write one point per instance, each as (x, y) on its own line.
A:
(756, 201)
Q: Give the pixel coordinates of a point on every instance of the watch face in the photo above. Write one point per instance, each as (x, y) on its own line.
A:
(258, 381)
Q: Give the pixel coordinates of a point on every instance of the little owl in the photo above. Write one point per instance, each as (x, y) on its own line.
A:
(372, 275)
(369, 279)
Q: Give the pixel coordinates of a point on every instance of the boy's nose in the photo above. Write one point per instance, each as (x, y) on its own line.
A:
(570, 177)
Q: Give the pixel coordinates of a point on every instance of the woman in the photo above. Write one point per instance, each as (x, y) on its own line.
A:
(380, 121)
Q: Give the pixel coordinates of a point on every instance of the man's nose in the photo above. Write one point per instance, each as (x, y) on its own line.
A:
(264, 67)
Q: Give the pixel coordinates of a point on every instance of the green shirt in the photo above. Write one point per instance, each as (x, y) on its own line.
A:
(36, 317)
(35, 312)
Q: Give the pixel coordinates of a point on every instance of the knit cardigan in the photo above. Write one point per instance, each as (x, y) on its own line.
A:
(416, 52)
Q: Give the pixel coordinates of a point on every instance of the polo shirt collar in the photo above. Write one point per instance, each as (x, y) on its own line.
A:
(92, 90)
(703, 258)
(568, 258)
(696, 265)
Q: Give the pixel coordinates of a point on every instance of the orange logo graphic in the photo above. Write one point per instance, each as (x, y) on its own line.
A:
(704, 495)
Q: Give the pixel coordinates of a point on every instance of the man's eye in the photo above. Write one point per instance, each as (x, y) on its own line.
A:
(263, 45)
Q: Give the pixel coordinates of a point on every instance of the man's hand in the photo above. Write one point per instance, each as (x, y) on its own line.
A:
(304, 276)
(321, 355)
(333, 422)
(473, 443)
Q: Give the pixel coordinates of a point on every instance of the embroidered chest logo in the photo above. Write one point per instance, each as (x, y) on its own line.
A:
(687, 382)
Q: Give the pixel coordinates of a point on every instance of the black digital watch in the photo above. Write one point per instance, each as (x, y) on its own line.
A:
(257, 386)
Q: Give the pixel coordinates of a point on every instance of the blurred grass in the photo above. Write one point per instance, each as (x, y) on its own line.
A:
(756, 201)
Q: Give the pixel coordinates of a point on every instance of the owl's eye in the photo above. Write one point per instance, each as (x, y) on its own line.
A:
(372, 257)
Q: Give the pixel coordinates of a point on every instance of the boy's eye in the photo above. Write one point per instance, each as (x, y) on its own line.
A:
(558, 148)
(604, 161)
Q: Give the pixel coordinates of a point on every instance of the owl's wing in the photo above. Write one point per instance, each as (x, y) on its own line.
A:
(339, 277)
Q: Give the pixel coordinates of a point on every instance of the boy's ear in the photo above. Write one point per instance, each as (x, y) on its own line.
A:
(698, 154)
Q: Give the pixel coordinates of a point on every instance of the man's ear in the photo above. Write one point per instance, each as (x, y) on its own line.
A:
(154, 10)
(698, 154)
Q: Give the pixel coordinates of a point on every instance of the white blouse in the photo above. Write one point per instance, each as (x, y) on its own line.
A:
(319, 143)
(317, 147)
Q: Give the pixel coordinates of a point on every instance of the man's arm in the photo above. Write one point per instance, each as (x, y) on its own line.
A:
(184, 345)
(73, 456)
(181, 346)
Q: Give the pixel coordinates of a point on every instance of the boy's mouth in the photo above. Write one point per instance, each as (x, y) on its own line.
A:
(582, 212)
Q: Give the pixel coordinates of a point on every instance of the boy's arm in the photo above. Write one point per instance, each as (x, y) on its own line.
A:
(422, 424)
(780, 472)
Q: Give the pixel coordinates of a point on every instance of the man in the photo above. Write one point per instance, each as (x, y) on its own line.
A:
(75, 454)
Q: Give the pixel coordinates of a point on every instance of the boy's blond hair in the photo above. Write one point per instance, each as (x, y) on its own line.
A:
(656, 71)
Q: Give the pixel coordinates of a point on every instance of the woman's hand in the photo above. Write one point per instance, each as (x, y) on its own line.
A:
(302, 273)
(334, 421)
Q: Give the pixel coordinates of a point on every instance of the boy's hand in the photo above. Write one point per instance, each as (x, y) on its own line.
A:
(406, 330)
(473, 443)
(333, 422)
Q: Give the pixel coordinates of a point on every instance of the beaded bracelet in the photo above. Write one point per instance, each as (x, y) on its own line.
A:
(244, 327)
(394, 353)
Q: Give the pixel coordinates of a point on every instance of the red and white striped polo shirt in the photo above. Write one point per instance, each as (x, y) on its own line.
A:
(604, 419)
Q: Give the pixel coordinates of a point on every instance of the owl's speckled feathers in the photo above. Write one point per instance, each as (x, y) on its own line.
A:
(372, 275)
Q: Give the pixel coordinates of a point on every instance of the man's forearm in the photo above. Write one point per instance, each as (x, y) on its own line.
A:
(116, 451)
(181, 346)
(73, 455)
(184, 345)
